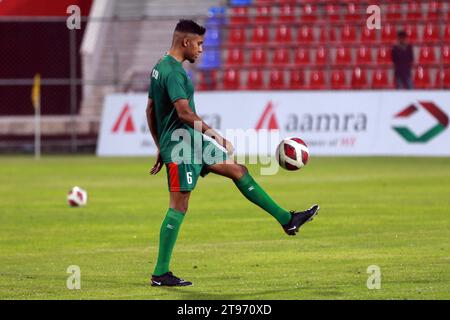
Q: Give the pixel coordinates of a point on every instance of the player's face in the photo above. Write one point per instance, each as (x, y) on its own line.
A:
(194, 48)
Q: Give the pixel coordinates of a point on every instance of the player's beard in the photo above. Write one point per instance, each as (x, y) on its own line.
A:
(192, 58)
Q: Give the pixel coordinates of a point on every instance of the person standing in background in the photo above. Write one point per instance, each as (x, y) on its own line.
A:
(403, 59)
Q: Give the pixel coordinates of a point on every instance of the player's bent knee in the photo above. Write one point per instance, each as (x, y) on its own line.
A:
(238, 171)
(242, 170)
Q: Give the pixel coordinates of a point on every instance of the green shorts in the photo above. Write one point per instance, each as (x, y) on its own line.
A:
(183, 176)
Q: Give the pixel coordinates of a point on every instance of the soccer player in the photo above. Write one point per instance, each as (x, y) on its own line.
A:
(171, 108)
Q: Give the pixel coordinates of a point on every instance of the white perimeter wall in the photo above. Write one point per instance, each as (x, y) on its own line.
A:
(331, 123)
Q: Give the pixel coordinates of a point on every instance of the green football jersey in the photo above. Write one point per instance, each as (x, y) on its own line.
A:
(169, 83)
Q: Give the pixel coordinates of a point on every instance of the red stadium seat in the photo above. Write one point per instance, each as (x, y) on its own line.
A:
(364, 56)
(348, 34)
(309, 13)
(414, 11)
(236, 36)
(427, 56)
(276, 80)
(258, 57)
(305, 35)
(380, 80)
(434, 10)
(283, 34)
(260, 34)
(296, 80)
(207, 80)
(255, 80)
(235, 56)
(359, 79)
(422, 78)
(321, 56)
(343, 56)
(368, 35)
(263, 14)
(338, 80)
(384, 56)
(445, 54)
(332, 12)
(239, 15)
(443, 79)
(447, 33)
(353, 12)
(281, 57)
(440, 78)
(231, 80)
(431, 33)
(411, 32)
(388, 34)
(317, 80)
(394, 12)
(287, 13)
(302, 57)
(327, 35)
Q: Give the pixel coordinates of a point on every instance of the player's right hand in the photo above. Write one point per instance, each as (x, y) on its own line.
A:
(227, 145)
(158, 165)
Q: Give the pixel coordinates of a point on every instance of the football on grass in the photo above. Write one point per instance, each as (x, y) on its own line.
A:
(77, 197)
(292, 153)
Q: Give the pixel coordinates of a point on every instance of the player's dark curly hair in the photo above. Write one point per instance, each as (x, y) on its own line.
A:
(190, 26)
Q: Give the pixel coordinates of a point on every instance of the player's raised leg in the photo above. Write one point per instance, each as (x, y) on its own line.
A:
(167, 237)
(290, 221)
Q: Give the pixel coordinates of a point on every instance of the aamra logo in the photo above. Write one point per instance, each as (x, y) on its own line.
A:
(435, 111)
(125, 121)
(268, 120)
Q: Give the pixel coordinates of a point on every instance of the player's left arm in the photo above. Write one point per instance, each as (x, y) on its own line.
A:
(151, 121)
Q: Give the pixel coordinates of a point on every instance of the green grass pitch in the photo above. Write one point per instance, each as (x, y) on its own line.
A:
(390, 212)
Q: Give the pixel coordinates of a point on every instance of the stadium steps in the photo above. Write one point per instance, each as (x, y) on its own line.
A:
(140, 42)
(50, 125)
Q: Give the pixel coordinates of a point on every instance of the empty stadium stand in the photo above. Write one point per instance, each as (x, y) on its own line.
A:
(327, 42)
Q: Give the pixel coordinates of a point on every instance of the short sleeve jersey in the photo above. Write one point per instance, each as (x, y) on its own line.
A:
(169, 83)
